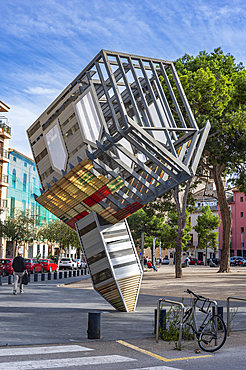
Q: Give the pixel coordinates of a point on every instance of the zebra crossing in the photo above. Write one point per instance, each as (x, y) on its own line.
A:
(10, 359)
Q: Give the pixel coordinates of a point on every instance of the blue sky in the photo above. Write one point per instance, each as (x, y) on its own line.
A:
(45, 44)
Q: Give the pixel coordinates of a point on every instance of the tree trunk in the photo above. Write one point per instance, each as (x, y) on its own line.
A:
(226, 219)
(181, 226)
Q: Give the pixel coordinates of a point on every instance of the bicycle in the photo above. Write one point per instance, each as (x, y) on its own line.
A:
(211, 333)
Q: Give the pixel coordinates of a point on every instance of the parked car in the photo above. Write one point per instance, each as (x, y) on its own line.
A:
(232, 259)
(84, 264)
(80, 264)
(48, 265)
(237, 261)
(215, 261)
(33, 265)
(195, 261)
(68, 263)
(6, 267)
(164, 261)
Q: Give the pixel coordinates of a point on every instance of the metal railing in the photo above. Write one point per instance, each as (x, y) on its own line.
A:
(5, 127)
(4, 178)
(3, 203)
(228, 310)
(180, 322)
(4, 153)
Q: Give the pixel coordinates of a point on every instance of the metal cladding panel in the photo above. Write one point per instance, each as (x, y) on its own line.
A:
(127, 271)
(108, 261)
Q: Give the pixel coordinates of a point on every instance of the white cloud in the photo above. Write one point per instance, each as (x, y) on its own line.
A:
(45, 45)
(38, 90)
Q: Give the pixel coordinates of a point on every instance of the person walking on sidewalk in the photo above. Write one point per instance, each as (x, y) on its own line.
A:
(188, 261)
(19, 269)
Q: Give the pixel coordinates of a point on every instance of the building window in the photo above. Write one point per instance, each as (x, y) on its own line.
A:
(242, 214)
(24, 181)
(25, 164)
(241, 199)
(34, 169)
(14, 159)
(12, 207)
(242, 229)
(14, 178)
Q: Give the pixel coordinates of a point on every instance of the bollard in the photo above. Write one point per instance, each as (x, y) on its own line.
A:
(94, 325)
(29, 277)
(60, 274)
(35, 277)
(74, 273)
(162, 319)
(78, 271)
(85, 271)
(49, 275)
(82, 272)
(10, 279)
(43, 276)
(65, 274)
(55, 275)
(219, 311)
(1, 280)
(70, 273)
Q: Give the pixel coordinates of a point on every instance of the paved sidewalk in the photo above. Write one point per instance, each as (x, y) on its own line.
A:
(56, 311)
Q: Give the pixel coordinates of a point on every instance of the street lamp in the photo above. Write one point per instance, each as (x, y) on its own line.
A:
(153, 251)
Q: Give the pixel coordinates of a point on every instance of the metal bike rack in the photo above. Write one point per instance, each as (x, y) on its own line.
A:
(158, 318)
(228, 310)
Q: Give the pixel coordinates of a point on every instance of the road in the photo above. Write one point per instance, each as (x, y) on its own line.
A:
(45, 328)
(106, 355)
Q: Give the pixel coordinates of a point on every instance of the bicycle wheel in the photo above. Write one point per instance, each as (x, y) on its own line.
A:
(210, 339)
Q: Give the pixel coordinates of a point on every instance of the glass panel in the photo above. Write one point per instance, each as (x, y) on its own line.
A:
(88, 118)
(56, 148)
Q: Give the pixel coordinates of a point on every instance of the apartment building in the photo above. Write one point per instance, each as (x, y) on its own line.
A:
(24, 185)
(5, 135)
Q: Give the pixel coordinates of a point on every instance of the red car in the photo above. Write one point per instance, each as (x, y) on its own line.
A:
(33, 265)
(48, 265)
(6, 266)
(195, 261)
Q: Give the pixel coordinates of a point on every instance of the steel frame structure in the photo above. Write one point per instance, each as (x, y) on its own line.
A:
(119, 136)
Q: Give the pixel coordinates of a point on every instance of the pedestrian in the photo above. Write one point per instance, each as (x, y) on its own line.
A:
(188, 261)
(19, 268)
(149, 264)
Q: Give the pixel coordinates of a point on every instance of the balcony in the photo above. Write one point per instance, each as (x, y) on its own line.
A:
(4, 180)
(4, 155)
(3, 205)
(5, 130)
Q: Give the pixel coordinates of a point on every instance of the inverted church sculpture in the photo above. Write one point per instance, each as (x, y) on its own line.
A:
(120, 135)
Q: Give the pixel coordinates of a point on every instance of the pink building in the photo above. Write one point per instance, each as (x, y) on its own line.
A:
(238, 211)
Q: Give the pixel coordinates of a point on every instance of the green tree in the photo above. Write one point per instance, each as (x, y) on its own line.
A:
(176, 231)
(206, 224)
(58, 232)
(215, 87)
(149, 223)
(173, 230)
(17, 229)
